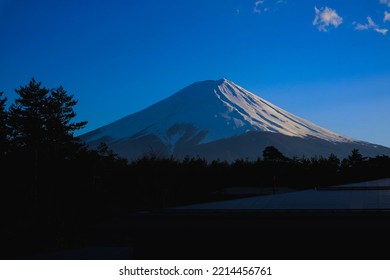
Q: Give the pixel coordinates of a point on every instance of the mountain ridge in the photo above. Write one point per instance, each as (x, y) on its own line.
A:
(209, 111)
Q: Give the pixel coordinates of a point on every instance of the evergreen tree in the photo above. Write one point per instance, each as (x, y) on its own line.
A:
(274, 158)
(41, 132)
(333, 162)
(27, 119)
(40, 121)
(3, 127)
(270, 153)
(27, 128)
(59, 126)
(356, 158)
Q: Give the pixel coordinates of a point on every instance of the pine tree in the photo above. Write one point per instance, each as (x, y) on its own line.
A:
(41, 133)
(3, 127)
(59, 126)
(27, 119)
(41, 122)
(333, 162)
(271, 153)
(26, 114)
(356, 158)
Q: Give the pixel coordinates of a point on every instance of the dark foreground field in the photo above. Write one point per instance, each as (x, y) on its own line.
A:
(230, 235)
(262, 235)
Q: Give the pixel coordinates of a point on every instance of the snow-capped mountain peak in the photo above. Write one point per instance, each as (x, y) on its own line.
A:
(255, 113)
(205, 112)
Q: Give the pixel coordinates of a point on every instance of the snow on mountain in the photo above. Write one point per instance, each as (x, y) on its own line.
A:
(203, 113)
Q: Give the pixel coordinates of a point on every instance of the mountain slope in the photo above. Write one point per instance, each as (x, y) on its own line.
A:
(200, 116)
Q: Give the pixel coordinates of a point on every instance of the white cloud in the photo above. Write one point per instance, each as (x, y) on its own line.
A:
(256, 9)
(326, 17)
(370, 25)
(359, 26)
(382, 31)
(387, 17)
(386, 2)
(266, 6)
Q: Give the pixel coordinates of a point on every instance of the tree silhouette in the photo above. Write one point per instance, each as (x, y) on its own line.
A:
(270, 153)
(40, 121)
(42, 135)
(356, 158)
(59, 126)
(104, 151)
(3, 127)
(273, 156)
(27, 118)
(334, 161)
(27, 131)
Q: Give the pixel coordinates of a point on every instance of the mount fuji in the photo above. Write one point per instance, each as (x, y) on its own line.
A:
(221, 120)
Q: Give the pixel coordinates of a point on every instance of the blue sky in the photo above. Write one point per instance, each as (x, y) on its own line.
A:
(325, 60)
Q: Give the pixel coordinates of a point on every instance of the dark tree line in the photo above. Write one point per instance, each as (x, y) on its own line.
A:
(54, 187)
(51, 183)
(167, 182)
